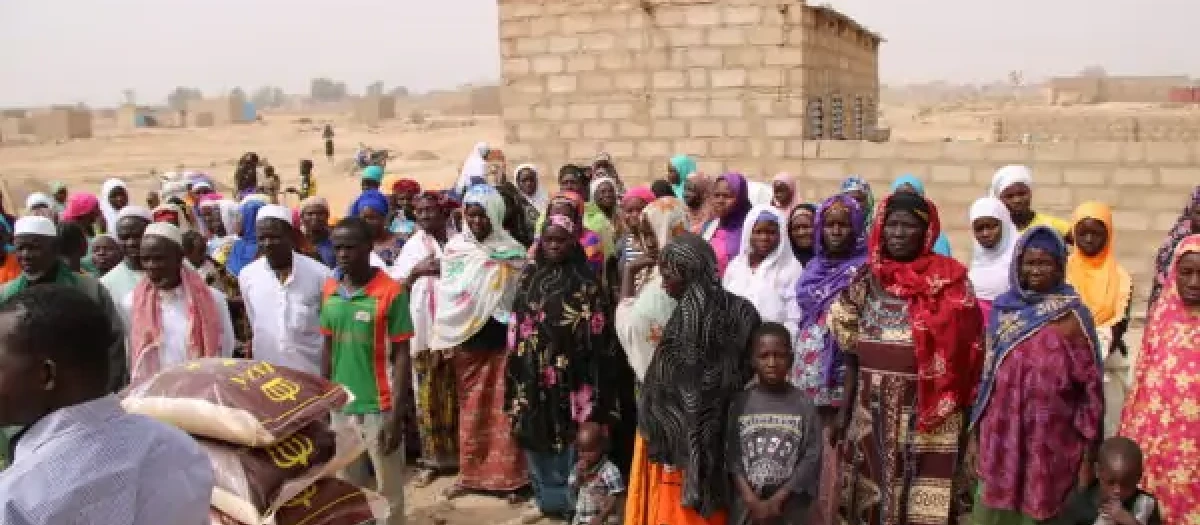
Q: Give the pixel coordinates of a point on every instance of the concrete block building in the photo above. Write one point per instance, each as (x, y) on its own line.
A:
(738, 83)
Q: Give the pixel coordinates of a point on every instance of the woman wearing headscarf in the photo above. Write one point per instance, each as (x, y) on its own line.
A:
(629, 243)
(480, 268)
(244, 250)
(572, 205)
(228, 212)
(534, 197)
(561, 361)
(701, 361)
(800, 228)
(995, 238)
(1013, 184)
(910, 183)
(172, 213)
(912, 335)
(114, 195)
(860, 190)
(783, 186)
(764, 271)
(642, 313)
(58, 191)
(1041, 402)
(400, 219)
(474, 167)
(730, 205)
(679, 169)
(819, 370)
(419, 265)
(602, 193)
(698, 204)
(1160, 413)
(1187, 224)
(372, 206)
(83, 209)
(1107, 291)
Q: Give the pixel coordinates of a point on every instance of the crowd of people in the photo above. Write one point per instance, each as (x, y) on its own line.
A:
(699, 350)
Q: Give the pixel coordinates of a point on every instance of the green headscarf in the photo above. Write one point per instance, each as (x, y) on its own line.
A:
(685, 166)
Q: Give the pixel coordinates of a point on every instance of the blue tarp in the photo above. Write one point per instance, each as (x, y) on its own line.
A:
(249, 114)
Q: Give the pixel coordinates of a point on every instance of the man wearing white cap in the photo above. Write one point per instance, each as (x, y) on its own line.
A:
(37, 253)
(130, 225)
(282, 292)
(173, 315)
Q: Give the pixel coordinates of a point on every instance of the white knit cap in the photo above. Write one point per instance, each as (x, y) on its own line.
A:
(134, 210)
(165, 230)
(274, 211)
(35, 225)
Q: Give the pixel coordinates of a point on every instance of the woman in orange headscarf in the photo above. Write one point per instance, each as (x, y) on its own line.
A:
(1106, 289)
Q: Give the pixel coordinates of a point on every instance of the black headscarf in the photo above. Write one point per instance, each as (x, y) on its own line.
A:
(804, 254)
(701, 362)
(564, 352)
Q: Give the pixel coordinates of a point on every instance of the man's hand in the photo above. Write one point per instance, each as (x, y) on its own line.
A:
(391, 435)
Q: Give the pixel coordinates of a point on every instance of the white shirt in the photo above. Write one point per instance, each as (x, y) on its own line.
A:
(175, 325)
(94, 463)
(285, 317)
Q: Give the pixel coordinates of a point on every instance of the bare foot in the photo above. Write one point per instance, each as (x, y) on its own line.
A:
(454, 492)
(424, 478)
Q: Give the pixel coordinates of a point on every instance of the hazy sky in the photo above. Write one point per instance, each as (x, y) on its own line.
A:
(64, 51)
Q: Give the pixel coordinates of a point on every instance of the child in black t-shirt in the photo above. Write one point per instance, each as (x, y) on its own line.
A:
(1114, 497)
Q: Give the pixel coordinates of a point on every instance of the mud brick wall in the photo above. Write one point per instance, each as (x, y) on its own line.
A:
(1146, 183)
(723, 80)
(1048, 127)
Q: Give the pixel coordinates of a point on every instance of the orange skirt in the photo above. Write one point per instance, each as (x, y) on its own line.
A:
(656, 493)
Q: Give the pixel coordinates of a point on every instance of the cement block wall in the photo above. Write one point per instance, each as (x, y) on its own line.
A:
(727, 81)
(62, 124)
(1048, 127)
(1146, 183)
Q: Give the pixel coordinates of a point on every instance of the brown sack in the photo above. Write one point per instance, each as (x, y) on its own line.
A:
(329, 501)
(240, 401)
(252, 482)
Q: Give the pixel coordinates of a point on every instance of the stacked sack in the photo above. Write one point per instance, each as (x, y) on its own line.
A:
(265, 429)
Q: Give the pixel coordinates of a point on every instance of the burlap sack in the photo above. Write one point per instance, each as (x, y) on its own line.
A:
(251, 483)
(240, 401)
(329, 501)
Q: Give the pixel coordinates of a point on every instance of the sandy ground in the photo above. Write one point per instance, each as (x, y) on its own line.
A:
(425, 152)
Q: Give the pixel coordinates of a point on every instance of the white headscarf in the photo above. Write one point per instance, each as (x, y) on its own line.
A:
(990, 268)
(770, 286)
(479, 276)
(230, 211)
(110, 213)
(1009, 175)
(760, 194)
(540, 198)
(38, 199)
(595, 187)
(473, 166)
(639, 320)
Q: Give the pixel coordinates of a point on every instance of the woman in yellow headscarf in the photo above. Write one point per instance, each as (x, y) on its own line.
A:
(1106, 288)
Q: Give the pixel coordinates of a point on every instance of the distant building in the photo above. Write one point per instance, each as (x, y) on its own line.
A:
(1101, 89)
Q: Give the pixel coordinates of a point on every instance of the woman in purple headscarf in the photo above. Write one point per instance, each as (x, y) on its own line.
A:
(730, 203)
(839, 250)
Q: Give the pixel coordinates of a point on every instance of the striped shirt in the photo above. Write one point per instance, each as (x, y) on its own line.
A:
(94, 463)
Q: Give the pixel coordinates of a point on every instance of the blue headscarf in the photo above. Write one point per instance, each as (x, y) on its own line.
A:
(1018, 313)
(245, 249)
(372, 199)
(685, 166)
(4, 225)
(942, 245)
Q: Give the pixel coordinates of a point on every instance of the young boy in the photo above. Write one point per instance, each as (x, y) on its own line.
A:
(596, 481)
(773, 439)
(1114, 497)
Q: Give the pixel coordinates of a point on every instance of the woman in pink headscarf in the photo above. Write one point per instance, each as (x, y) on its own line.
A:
(83, 209)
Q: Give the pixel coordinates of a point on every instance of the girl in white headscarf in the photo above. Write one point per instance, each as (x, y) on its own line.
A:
(995, 238)
(765, 271)
(112, 200)
(529, 186)
(474, 166)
